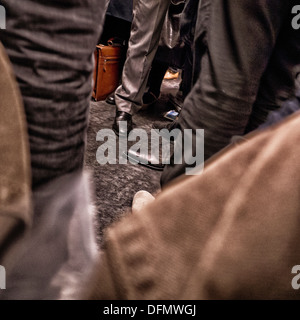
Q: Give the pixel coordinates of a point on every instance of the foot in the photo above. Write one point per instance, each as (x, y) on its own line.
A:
(122, 130)
(144, 160)
(171, 75)
(140, 200)
(111, 99)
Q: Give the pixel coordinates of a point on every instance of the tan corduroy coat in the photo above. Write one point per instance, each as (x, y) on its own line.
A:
(15, 176)
(232, 232)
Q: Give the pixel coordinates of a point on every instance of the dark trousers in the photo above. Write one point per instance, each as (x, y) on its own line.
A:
(156, 76)
(245, 54)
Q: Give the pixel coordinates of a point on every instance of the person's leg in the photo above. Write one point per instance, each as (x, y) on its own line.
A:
(144, 38)
(51, 46)
(234, 42)
(187, 72)
(57, 252)
(155, 80)
(277, 83)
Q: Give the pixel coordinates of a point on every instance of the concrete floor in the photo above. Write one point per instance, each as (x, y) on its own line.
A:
(116, 184)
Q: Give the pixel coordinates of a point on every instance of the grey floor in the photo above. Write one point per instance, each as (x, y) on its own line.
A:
(116, 184)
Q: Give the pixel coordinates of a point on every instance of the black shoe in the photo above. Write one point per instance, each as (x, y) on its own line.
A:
(144, 160)
(111, 99)
(122, 116)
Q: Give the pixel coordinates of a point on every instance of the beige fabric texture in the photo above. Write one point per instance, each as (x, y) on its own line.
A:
(230, 233)
(15, 182)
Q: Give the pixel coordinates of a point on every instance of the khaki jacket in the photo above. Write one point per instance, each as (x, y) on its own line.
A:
(15, 176)
(230, 233)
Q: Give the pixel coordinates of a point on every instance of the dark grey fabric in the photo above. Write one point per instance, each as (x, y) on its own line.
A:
(288, 108)
(170, 49)
(245, 54)
(51, 44)
(188, 21)
(120, 9)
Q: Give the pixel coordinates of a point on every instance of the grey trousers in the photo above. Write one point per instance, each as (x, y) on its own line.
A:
(246, 53)
(146, 27)
(51, 45)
